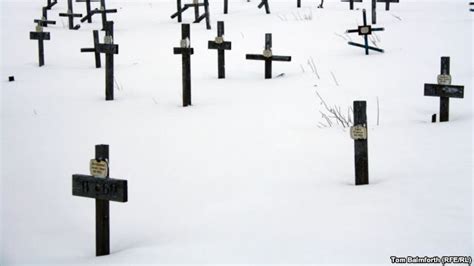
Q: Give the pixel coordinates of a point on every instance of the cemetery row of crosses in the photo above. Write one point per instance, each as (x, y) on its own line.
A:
(103, 189)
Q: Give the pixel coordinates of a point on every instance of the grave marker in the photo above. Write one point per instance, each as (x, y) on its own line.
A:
(444, 90)
(359, 134)
(94, 50)
(197, 18)
(70, 15)
(185, 50)
(264, 3)
(109, 49)
(226, 6)
(103, 189)
(88, 8)
(220, 45)
(41, 37)
(388, 2)
(44, 22)
(268, 56)
(351, 3)
(374, 11)
(365, 30)
(50, 4)
(102, 10)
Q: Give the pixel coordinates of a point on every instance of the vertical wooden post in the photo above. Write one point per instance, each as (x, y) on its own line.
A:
(206, 13)
(268, 61)
(96, 43)
(351, 4)
(104, 14)
(220, 52)
(41, 51)
(298, 3)
(360, 145)
(186, 34)
(88, 10)
(102, 214)
(226, 6)
(444, 101)
(109, 66)
(178, 3)
(374, 11)
(196, 12)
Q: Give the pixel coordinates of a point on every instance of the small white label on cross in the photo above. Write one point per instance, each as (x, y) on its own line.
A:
(358, 132)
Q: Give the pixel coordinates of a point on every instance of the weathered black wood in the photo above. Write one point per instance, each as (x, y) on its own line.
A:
(102, 212)
(388, 2)
(226, 6)
(433, 118)
(268, 56)
(374, 12)
(444, 91)
(365, 30)
(71, 15)
(109, 49)
(220, 45)
(103, 11)
(99, 188)
(186, 51)
(88, 9)
(197, 17)
(360, 145)
(50, 4)
(94, 50)
(298, 3)
(265, 4)
(109, 28)
(41, 37)
(44, 22)
(11, 78)
(351, 3)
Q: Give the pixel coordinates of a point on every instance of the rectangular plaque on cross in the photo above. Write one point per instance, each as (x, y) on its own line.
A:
(41, 36)
(220, 45)
(268, 56)
(185, 50)
(109, 49)
(103, 189)
(365, 30)
(444, 90)
(71, 15)
(359, 134)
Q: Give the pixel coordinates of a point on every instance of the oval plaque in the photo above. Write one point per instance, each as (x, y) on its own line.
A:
(267, 53)
(39, 28)
(108, 39)
(444, 79)
(185, 43)
(99, 168)
(219, 39)
(358, 132)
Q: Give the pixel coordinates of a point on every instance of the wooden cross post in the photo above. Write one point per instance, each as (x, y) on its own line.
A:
(264, 3)
(44, 22)
(185, 50)
(197, 18)
(351, 3)
(298, 3)
(70, 14)
(444, 90)
(388, 2)
(226, 6)
(220, 45)
(109, 49)
(103, 189)
(88, 10)
(41, 37)
(359, 134)
(365, 30)
(374, 11)
(50, 4)
(94, 50)
(268, 56)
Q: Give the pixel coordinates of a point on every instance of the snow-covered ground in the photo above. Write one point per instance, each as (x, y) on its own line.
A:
(248, 174)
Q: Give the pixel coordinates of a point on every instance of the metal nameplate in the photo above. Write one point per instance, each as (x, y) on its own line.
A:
(267, 53)
(444, 79)
(359, 132)
(99, 168)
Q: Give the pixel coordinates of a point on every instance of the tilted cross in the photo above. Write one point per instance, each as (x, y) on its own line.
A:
(94, 50)
(103, 189)
(388, 2)
(41, 36)
(444, 90)
(44, 22)
(351, 3)
(365, 30)
(185, 50)
(109, 49)
(70, 14)
(220, 45)
(50, 4)
(197, 18)
(265, 3)
(268, 56)
(102, 10)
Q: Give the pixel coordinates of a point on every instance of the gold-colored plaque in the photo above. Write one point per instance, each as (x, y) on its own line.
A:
(99, 168)
(358, 132)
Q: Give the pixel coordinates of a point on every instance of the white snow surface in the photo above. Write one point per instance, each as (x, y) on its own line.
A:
(247, 174)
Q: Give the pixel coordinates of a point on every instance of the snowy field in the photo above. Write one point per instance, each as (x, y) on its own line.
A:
(251, 173)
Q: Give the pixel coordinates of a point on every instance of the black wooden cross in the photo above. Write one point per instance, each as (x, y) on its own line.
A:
(359, 134)
(197, 18)
(88, 8)
(102, 10)
(365, 30)
(444, 90)
(109, 49)
(268, 56)
(265, 3)
(351, 3)
(226, 6)
(41, 37)
(388, 2)
(44, 22)
(185, 51)
(70, 14)
(103, 189)
(298, 3)
(220, 45)
(94, 50)
(50, 4)
(374, 11)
